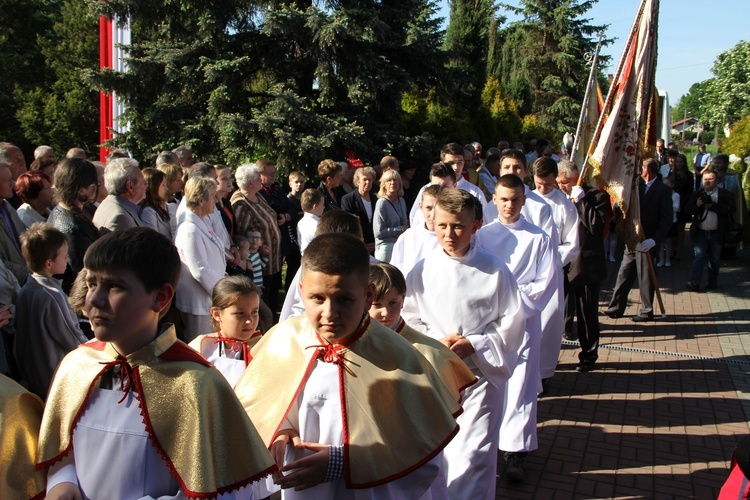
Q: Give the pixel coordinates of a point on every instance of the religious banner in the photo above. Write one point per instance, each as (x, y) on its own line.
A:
(626, 132)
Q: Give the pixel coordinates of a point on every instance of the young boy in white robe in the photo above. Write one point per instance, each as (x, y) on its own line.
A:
(452, 155)
(527, 251)
(417, 241)
(235, 313)
(348, 408)
(557, 319)
(467, 298)
(137, 413)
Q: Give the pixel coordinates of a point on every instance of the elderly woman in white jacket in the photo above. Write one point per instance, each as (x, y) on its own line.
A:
(202, 256)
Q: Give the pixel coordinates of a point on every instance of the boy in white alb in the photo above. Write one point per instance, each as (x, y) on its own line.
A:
(467, 298)
(417, 241)
(453, 155)
(313, 206)
(535, 210)
(137, 413)
(348, 408)
(527, 251)
(566, 240)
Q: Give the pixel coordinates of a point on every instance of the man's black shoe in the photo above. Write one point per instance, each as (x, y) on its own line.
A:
(641, 318)
(572, 336)
(693, 287)
(585, 366)
(711, 286)
(612, 314)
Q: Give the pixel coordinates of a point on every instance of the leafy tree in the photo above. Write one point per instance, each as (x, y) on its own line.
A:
(544, 54)
(738, 142)
(691, 103)
(727, 96)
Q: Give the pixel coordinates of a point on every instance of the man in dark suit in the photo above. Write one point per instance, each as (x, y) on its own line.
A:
(589, 267)
(656, 220)
(711, 208)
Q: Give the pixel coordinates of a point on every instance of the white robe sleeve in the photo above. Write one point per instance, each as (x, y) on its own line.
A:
(569, 247)
(496, 348)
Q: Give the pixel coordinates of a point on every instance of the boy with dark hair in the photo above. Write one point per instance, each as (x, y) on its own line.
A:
(140, 396)
(466, 298)
(333, 221)
(47, 328)
(452, 154)
(323, 388)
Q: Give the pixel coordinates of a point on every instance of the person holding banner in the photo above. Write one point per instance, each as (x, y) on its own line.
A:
(656, 201)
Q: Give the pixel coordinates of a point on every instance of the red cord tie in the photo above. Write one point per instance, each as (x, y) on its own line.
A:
(235, 346)
(329, 353)
(126, 375)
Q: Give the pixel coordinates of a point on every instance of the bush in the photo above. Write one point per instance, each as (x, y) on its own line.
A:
(706, 137)
(738, 141)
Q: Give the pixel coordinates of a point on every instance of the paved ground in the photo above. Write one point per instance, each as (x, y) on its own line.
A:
(661, 415)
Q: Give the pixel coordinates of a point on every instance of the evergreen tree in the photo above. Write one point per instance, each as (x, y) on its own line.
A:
(62, 110)
(287, 79)
(544, 56)
(21, 61)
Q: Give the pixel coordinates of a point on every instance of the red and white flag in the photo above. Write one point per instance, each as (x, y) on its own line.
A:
(626, 132)
(113, 35)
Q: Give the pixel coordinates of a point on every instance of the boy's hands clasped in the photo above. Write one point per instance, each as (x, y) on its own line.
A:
(308, 471)
(458, 344)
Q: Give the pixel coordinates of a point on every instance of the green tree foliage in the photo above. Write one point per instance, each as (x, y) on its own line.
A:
(691, 104)
(62, 110)
(295, 78)
(542, 60)
(467, 41)
(21, 61)
(738, 142)
(727, 95)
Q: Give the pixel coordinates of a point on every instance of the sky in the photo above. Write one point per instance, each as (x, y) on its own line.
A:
(691, 34)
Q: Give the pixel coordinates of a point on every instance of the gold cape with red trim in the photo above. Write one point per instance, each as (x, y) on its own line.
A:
(190, 413)
(452, 370)
(397, 413)
(20, 419)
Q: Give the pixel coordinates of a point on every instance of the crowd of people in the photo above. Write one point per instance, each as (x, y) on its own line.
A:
(412, 338)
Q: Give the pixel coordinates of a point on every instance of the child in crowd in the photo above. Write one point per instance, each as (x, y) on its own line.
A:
(418, 241)
(255, 255)
(251, 265)
(313, 205)
(342, 402)
(234, 315)
(47, 328)
(465, 297)
(140, 397)
(297, 185)
(390, 289)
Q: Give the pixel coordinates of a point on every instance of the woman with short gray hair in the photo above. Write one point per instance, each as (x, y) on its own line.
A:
(202, 256)
(361, 202)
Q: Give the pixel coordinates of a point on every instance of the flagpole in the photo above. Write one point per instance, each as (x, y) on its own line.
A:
(586, 97)
(611, 94)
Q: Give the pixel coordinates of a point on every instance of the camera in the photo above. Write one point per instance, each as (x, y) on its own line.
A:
(705, 198)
